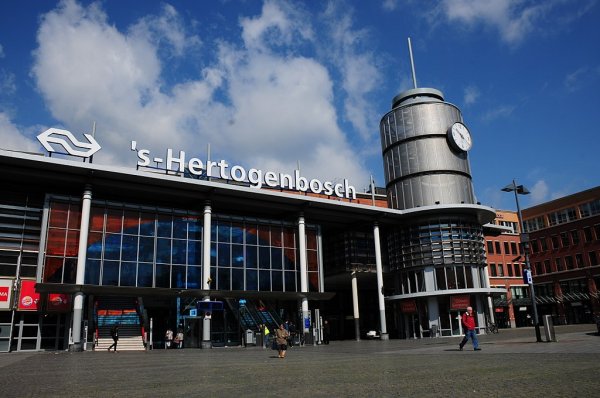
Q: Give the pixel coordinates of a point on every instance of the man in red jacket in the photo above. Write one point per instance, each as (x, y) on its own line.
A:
(468, 321)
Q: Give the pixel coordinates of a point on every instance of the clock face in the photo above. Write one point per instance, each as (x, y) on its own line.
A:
(459, 137)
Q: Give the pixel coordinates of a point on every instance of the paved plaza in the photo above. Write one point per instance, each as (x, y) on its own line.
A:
(511, 363)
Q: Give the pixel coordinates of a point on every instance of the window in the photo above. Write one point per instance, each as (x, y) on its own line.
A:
(575, 237)
(534, 246)
(513, 248)
(558, 263)
(543, 244)
(590, 209)
(500, 269)
(562, 216)
(506, 248)
(579, 260)
(597, 231)
(569, 262)
(593, 258)
(498, 249)
(564, 239)
(517, 269)
(547, 266)
(510, 269)
(493, 269)
(490, 247)
(587, 234)
(537, 268)
(555, 244)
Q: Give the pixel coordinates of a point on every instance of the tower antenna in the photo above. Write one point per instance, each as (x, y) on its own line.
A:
(412, 64)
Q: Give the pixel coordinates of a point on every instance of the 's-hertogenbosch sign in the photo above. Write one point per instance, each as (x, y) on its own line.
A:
(180, 163)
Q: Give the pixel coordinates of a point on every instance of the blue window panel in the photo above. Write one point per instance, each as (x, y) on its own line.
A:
(251, 235)
(237, 279)
(110, 273)
(144, 277)
(70, 270)
(213, 254)
(146, 249)
(290, 281)
(180, 224)
(163, 250)
(178, 274)
(147, 224)
(276, 257)
(194, 277)
(224, 231)
(112, 246)
(251, 257)
(195, 230)
(237, 256)
(164, 226)
(264, 281)
(277, 278)
(264, 257)
(163, 274)
(251, 279)
(94, 250)
(224, 279)
(213, 277)
(92, 272)
(289, 259)
(194, 253)
(129, 248)
(237, 233)
(128, 271)
(224, 259)
(179, 251)
(213, 231)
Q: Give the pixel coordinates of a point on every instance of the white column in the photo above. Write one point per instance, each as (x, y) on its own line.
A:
(321, 265)
(303, 269)
(379, 270)
(206, 281)
(355, 307)
(81, 258)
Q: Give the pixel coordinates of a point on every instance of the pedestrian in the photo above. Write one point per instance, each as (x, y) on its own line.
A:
(292, 330)
(266, 333)
(179, 338)
(114, 333)
(326, 331)
(468, 322)
(168, 338)
(281, 337)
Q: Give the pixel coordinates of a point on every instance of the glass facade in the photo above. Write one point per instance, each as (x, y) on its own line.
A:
(141, 247)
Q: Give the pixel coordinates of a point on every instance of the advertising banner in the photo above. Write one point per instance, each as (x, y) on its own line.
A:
(6, 286)
(460, 302)
(408, 306)
(28, 297)
(59, 302)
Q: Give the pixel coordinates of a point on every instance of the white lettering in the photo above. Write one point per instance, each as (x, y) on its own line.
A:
(338, 190)
(316, 186)
(350, 190)
(285, 180)
(195, 166)
(301, 182)
(328, 188)
(180, 160)
(271, 179)
(143, 156)
(209, 166)
(235, 170)
(223, 168)
(255, 178)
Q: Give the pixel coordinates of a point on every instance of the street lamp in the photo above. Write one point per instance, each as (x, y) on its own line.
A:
(521, 190)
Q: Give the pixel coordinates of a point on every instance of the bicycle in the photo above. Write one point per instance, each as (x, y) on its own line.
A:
(491, 328)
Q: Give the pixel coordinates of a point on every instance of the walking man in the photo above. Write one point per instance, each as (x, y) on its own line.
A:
(114, 333)
(468, 322)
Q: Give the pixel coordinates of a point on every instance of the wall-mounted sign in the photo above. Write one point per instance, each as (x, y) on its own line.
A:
(59, 302)
(6, 287)
(408, 306)
(179, 163)
(28, 297)
(68, 141)
(460, 302)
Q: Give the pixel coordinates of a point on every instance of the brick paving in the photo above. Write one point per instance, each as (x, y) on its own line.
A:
(511, 363)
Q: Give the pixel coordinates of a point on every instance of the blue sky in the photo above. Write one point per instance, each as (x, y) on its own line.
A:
(276, 84)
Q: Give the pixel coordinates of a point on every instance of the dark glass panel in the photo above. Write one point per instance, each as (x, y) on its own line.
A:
(74, 216)
(251, 234)
(194, 277)
(264, 235)
(178, 273)
(224, 279)
(265, 281)
(94, 249)
(195, 228)
(290, 259)
(251, 279)
(114, 220)
(277, 278)
(110, 273)
(276, 239)
(97, 219)
(59, 214)
(72, 248)
(213, 254)
(213, 277)
(213, 231)
(237, 255)
(311, 260)
(164, 226)
(144, 277)
(163, 250)
(147, 224)
(179, 251)
(163, 273)
(311, 239)
(276, 257)
(237, 233)
(128, 270)
(180, 224)
(129, 248)
(290, 281)
(224, 255)
(313, 282)
(237, 279)
(264, 257)
(55, 245)
(194, 252)
(112, 246)
(224, 230)
(53, 270)
(289, 237)
(146, 249)
(131, 222)
(70, 271)
(251, 256)
(92, 272)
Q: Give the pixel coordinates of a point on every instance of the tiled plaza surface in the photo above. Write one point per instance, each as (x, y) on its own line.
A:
(510, 364)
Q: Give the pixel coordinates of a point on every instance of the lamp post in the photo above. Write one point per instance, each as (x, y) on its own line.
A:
(521, 190)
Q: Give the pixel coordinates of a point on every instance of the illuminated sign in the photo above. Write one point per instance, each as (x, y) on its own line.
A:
(71, 144)
(256, 178)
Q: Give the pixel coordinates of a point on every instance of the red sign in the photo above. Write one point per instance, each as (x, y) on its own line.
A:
(460, 302)
(59, 302)
(28, 297)
(4, 290)
(499, 309)
(408, 306)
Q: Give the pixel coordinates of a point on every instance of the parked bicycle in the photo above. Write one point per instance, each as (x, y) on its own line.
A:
(491, 328)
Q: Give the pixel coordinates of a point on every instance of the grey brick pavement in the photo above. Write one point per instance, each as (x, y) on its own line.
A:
(510, 364)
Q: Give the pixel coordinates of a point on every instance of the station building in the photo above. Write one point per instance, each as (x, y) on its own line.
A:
(84, 246)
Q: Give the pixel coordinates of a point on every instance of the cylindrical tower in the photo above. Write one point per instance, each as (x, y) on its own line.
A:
(425, 149)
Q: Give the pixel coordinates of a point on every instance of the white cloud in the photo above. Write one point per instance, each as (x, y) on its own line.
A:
(8, 86)
(499, 112)
(539, 192)
(471, 94)
(581, 78)
(12, 138)
(260, 105)
(1, 51)
(390, 5)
